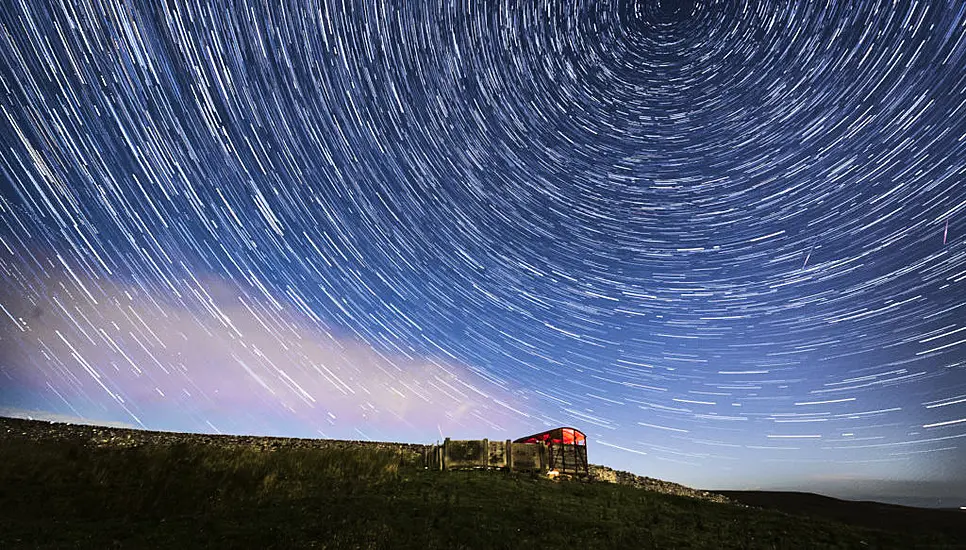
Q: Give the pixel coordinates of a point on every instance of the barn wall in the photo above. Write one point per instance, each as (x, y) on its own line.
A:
(497, 455)
(464, 453)
(529, 456)
(457, 454)
(569, 458)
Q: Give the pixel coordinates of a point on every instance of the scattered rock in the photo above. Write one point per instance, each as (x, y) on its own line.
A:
(609, 475)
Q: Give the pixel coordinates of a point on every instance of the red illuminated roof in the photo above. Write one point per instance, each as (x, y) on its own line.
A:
(567, 436)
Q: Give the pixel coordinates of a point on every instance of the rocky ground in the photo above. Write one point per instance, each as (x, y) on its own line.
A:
(605, 474)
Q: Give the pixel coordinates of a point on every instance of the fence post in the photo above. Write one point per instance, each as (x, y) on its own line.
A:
(445, 453)
(486, 453)
(509, 455)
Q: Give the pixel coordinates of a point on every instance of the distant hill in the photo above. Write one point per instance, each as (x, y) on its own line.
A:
(876, 515)
(69, 486)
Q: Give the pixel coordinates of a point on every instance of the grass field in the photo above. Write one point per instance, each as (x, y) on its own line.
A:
(63, 493)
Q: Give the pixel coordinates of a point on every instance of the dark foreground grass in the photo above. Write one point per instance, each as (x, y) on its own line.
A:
(62, 494)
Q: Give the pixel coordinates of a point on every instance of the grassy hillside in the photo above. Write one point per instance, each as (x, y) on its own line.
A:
(870, 514)
(69, 491)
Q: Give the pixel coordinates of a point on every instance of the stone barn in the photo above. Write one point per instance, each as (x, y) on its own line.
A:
(560, 451)
(566, 449)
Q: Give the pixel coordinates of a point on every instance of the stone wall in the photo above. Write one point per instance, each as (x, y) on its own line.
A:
(609, 475)
(100, 436)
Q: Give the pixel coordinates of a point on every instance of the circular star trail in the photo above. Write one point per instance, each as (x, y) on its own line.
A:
(726, 239)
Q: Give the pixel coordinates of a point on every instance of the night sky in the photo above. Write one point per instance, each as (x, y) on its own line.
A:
(726, 239)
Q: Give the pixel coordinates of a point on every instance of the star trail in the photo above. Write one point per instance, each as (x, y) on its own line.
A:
(725, 239)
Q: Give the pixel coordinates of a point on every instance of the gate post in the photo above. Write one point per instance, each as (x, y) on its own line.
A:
(509, 455)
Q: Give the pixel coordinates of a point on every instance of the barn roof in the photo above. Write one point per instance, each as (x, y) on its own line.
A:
(565, 435)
